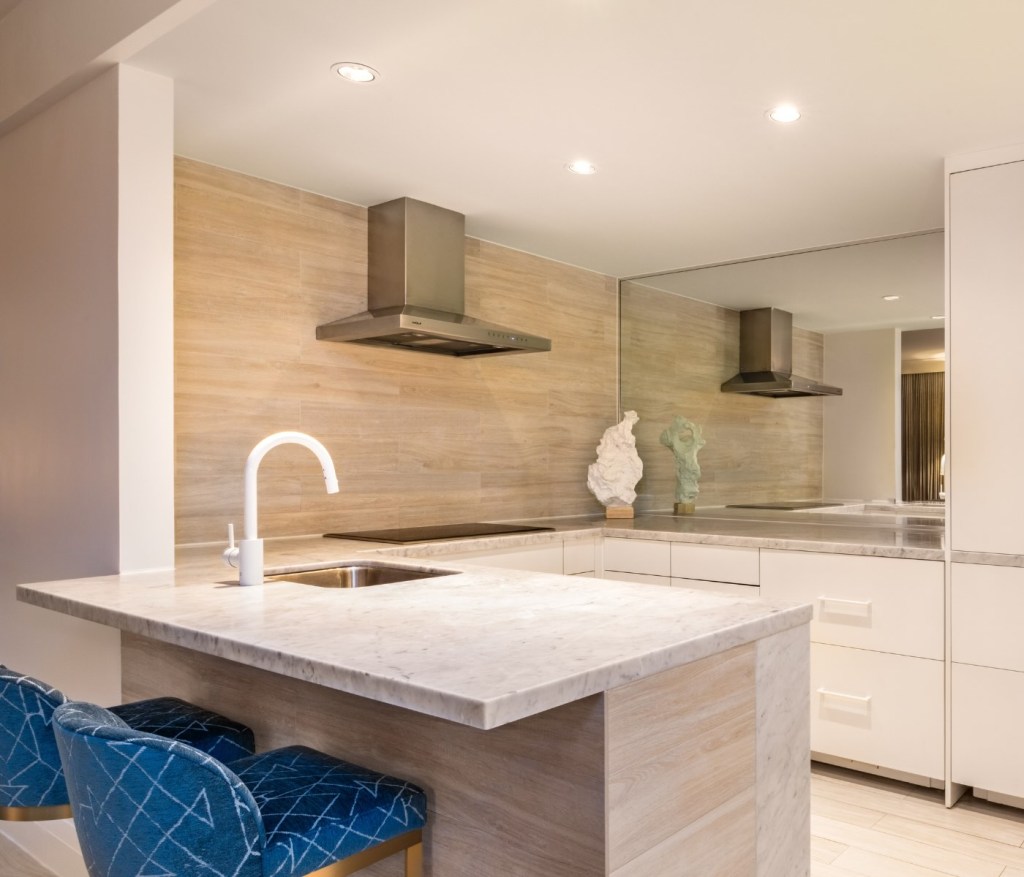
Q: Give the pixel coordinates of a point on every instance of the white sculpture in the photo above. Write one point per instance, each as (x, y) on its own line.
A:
(613, 477)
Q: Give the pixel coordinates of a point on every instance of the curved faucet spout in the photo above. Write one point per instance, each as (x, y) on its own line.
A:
(250, 549)
(256, 455)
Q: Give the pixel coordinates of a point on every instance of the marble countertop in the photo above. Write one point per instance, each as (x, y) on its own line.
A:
(486, 646)
(880, 534)
(483, 648)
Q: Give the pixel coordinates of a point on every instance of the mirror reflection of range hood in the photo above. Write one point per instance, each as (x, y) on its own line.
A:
(416, 288)
(766, 358)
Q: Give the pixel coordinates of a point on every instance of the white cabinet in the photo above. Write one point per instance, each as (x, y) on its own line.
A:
(877, 669)
(573, 557)
(719, 568)
(988, 678)
(986, 309)
(715, 563)
(532, 558)
(579, 556)
(642, 556)
(882, 603)
(877, 709)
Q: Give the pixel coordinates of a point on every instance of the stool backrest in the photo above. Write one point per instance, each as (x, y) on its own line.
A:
(30, 771)
(144, 804)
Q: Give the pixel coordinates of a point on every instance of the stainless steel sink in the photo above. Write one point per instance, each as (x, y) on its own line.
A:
(358, 574)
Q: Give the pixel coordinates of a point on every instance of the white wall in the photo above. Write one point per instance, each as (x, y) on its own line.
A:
(861, 427)
(59, 381)
(86, 377)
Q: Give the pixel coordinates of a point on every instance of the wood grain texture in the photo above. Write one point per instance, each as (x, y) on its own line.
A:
(549, 821)
(15, 862)
(416, 439)
(676, 353)
(681, 744)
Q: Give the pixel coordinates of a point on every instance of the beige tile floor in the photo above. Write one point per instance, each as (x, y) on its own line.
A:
(861, 826)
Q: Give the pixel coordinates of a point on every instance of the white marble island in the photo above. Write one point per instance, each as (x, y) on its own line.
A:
(561, 726)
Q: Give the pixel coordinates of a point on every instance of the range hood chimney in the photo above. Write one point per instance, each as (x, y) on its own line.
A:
(766, 358)
(416, 288)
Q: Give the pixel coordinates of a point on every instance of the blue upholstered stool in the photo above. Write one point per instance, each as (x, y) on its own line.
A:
(31, 780)
(148, 805)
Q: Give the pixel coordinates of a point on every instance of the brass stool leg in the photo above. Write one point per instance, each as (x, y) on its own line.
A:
(414, 861)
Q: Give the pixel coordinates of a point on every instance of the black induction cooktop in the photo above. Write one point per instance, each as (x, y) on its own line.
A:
(435, 533)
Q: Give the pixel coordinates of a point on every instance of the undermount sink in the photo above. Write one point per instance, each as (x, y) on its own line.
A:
(358, 574)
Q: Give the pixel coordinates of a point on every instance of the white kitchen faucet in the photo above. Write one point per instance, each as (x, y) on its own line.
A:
(249, 552)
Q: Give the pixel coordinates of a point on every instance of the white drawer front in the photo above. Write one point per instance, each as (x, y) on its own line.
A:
(717, 587)
(881, 603)
(580, 556)
(880, 709)
(988, 712)
(988, 604)
(715, 563)
(637, 555)
(643, 578)
(532, 558)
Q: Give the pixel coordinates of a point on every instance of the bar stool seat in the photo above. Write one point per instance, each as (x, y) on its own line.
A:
(145, 804)
(31, 779)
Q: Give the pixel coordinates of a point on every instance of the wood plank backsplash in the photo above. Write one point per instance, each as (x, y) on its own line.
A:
(416, 438)
(421, 439)
(676, 352)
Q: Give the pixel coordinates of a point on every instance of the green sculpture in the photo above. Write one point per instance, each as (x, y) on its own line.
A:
(684, 439)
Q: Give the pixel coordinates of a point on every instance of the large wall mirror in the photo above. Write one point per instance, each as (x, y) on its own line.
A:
(867, 317)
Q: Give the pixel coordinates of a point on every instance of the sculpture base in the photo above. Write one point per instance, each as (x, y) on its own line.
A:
(684, 508)
(619, 511)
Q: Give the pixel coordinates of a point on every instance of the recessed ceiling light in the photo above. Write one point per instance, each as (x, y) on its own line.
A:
(890, 298)
(354, 72)
(784, 113)
(581, 166)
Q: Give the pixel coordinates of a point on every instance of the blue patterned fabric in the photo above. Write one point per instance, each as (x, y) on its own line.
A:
(145, 805)
(30, 770)
(30, 774)
(317, 809)
(217, 735)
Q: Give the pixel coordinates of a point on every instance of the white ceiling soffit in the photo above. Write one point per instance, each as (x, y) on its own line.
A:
(481, 104)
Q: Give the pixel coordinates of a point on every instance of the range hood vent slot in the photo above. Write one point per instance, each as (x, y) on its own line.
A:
(417, 288)
(766, 358)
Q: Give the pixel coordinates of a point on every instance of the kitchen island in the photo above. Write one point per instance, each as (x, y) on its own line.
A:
(560, 725)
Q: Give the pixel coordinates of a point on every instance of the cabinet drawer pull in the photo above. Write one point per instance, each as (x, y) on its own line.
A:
(855, 610)
(851, 703)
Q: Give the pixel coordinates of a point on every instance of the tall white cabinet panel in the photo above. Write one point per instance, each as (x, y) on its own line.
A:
(988, 678)
(986, 311)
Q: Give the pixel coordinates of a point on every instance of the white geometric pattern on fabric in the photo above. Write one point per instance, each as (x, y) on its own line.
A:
(146, 806)
(30, 774)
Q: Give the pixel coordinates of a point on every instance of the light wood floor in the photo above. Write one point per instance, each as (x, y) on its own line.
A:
(861, 826)
(15, 863)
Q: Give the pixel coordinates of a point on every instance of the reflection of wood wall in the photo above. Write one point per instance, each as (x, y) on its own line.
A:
(416, 438)
(676, 353)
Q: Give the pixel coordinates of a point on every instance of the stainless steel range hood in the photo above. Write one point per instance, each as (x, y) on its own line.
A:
(416, 288)
(766, 358)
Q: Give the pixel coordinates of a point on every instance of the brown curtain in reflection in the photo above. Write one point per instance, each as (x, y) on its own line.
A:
(923, 436)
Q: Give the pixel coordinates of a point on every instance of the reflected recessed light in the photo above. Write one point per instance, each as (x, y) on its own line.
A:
(939, 317)
(890, 298)
(354, 72)
(784, 113)
(581, 166)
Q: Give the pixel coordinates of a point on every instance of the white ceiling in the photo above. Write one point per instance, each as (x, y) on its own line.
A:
(482, 102)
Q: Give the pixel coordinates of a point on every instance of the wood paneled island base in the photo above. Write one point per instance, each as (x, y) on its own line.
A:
(698, 770)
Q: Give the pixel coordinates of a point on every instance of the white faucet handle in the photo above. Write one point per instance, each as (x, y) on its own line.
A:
(230, 554)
